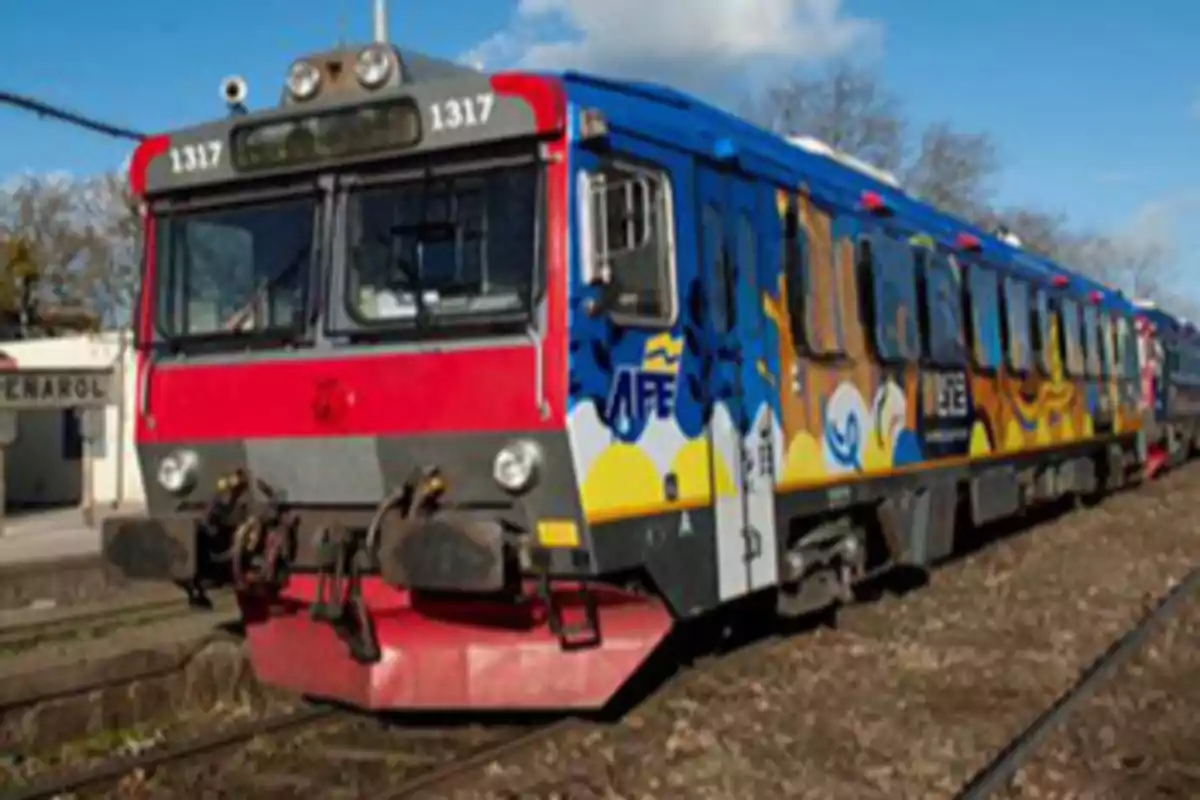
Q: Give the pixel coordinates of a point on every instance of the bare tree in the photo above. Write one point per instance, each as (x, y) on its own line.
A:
(79, 240)
(847, 107)
(951, 170)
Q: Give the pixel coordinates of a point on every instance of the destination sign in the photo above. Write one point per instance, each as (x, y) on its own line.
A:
(32, 389)
(344, 133)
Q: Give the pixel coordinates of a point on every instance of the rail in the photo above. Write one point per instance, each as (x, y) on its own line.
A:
(1003, 768)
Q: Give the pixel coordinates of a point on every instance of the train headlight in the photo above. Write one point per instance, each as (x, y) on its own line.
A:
(303, 80)
(373, 65)
(516, 466)
(178, 471)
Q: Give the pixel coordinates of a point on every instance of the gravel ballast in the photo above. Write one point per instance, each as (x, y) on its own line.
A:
(910, 695)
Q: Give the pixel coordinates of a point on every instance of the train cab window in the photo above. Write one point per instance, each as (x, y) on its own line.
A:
(1071, 333)
(1091, 341)
(1043, 322)
(628, 230)
(944, 340)
(1017, 329)
(983, 293)
(889, 263)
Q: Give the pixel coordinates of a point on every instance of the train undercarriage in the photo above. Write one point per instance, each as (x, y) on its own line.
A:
(415, 605)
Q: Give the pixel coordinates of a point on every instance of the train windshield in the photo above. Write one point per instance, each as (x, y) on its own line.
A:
(444, 250)
(240, 271)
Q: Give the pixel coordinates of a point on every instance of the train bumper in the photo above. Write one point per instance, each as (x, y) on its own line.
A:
(151, 548)
(449, 654)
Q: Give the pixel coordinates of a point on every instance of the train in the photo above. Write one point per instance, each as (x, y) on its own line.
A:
(479, 388)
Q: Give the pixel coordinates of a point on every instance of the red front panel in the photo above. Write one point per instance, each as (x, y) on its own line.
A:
(386, 393)
(471, 389)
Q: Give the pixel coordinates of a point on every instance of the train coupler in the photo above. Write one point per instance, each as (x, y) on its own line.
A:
(339, 600)
(580, 634)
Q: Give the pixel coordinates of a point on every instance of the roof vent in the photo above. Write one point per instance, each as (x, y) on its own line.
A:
(816, 146)
(1008, 237)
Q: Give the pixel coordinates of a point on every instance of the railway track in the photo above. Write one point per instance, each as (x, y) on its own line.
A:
(321, 749)
(26, 629)
(414, 760)
(998, 774)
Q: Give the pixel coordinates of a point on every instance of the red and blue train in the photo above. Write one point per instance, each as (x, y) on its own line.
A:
(476, 387)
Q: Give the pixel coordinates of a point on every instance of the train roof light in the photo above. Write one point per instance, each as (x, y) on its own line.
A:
(968, 241)
(1095, 297)
(303, 80)
(373, 65)
(873, 202)
(1059, 281)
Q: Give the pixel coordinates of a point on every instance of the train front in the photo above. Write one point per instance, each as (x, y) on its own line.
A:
(351, 388)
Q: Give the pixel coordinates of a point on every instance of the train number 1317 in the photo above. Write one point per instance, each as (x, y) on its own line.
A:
(461, 112)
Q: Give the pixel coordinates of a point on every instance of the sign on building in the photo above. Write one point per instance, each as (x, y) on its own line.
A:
(56, 388)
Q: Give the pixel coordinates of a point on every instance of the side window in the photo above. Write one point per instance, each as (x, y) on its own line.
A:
(1016, 318)
(629, 230)
(1070, 335)
(714, 245)
(747, 266)
(889, 263)
(1127, 349)
(944, 343)
(794, 258)
(1042, 322)
(829, 284)
(984, 295)
(1108, 337)
(1091, 341)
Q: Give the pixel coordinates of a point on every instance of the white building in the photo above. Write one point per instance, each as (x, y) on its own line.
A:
(49, 464)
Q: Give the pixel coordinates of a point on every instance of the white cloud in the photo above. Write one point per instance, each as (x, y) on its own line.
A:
(694, 44)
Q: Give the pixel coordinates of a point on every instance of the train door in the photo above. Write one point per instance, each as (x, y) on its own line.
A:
(728, 206)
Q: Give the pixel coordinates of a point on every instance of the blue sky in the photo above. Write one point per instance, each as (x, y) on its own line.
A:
(1093, 103)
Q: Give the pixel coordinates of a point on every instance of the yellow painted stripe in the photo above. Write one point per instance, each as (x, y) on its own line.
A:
(645, 510)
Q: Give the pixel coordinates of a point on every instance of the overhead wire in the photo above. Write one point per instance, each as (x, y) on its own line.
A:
(45, 109)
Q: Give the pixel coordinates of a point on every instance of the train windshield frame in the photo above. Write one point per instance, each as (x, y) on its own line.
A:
(236, 270)
(444, 249)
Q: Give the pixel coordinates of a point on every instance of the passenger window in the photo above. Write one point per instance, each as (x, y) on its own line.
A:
(1016, 318)
(830, 287)
(1070, 332)
(889, 263)
(719, 267)
(1127, 349)
(984, 295)
(747, 265)
(1091, 340)
(629, 231)
(1108, 332)
(794, 258)
(1042, 322)
(944, 340)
